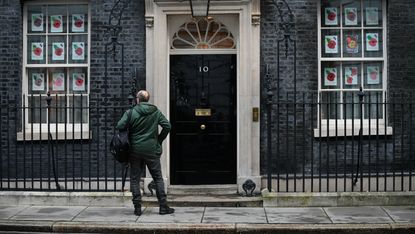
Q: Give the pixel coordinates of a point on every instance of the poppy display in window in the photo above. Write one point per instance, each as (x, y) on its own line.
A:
(37, 23)
(56, 23)
(331, 16)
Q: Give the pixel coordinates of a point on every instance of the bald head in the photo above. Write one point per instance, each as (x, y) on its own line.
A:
(143, 96)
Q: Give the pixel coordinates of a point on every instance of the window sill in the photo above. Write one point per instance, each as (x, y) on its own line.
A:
(37, 136)
(341, 132)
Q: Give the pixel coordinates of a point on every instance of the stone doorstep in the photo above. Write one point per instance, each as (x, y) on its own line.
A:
(122, 199)
(267, 200)
(341, 199)
(95, 227)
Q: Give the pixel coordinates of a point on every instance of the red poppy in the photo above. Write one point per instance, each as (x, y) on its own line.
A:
(373, 42)
(331, 16)
(37, 22)
(79, 51)
(331, 44)
(79, 82)
(78, 23)
(374, 75)
(331, 76)
(37, 51)
(56, 23)
(351, 16)
(58, 51)
(58, 82)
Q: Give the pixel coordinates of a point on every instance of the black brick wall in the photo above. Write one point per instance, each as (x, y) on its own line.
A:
(294, 151)
(74, 158)
(401, 49)
(106, 94)
(78, 158)
(283, 87)
(10, 69)
(11, 47)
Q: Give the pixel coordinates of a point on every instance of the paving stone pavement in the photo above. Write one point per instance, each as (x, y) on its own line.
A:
(258, 215)
(234, 215)
(181, 215)
(297, 215)
(58, 213)
(358, 215)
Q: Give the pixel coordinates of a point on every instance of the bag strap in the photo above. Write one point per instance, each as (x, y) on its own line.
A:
(129, 118)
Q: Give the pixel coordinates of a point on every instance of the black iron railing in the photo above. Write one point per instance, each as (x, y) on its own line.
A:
(60, 141)
(52, 142)
(317, 148)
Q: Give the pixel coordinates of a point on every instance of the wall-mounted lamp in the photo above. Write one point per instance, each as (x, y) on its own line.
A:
(199, 8)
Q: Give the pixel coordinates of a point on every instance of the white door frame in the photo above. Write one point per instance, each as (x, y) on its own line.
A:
(248, 76)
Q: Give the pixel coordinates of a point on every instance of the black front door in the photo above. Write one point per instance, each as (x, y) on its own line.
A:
(203, 117)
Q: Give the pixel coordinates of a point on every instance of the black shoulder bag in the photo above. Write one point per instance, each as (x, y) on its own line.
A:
(120, 142)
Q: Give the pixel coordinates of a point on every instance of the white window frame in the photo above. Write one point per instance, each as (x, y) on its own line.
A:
(327, 128)
(39, 131)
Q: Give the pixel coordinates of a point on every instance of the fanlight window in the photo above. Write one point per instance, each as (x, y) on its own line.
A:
(203, 34)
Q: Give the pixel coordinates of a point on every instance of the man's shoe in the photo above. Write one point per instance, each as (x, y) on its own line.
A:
(137, 210)
(166, 210)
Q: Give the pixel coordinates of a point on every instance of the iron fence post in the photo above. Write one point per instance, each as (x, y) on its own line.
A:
(361, 95)
(51, 152)
(269, 135)
(269, 125)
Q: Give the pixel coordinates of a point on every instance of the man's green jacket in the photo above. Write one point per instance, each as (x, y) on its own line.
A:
(144, 135)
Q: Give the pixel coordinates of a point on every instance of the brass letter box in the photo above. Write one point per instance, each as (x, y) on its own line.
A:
(202, 112)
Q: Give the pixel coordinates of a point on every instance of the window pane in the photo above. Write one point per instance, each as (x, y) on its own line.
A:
(219, 42)
(330, 44)
(351, 14)
(37, 109)
(57, 36)
(203, 34)
(373, 105)
(57, 49)
(57, 18)
(352, 30)
(373, 43)
(351, 106)
(36, 80)
(330, 105)
(78, 53)
(36, 17)
(78, 80)
(195, 31)
(372, 10)
(330, 12)
(352, 43)
(351, 75)
(57, 80)
(222, 38)
(373, 75)
(36, 49)
(78, 109)
(78, 18)
(57, 109)
(330, 74)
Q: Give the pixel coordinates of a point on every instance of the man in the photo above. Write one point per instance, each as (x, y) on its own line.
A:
(145, 148)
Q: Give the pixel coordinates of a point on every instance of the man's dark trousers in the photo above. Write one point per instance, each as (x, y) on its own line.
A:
(137, 163)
